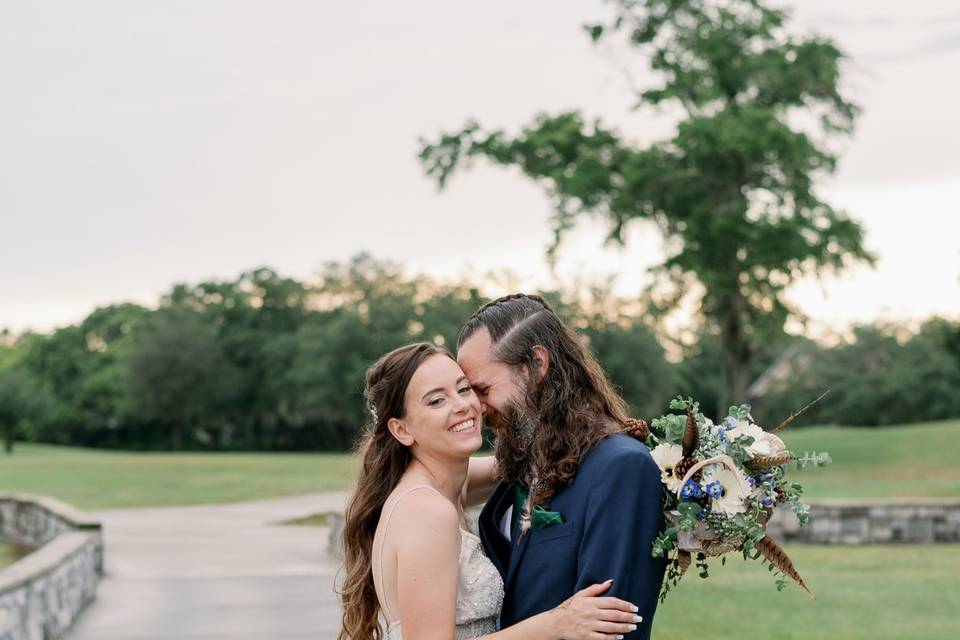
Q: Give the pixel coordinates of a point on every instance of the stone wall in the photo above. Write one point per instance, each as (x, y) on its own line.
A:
(862, 521)
(43, 593)
(335, 541)
(877, 521)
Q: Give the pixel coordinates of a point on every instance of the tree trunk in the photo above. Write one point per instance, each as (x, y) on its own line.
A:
(737, 354)
(8, 439)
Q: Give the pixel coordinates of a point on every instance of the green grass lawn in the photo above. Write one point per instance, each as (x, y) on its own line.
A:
(869, 593)
(873, 592)
(883, 462)
(92, 479)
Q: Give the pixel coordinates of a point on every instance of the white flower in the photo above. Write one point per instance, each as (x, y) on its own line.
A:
(666, 456)
(774, 443)
(733, 495)
(745, 428)
(764, 444)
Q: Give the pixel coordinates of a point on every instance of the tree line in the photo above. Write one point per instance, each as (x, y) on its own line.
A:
(266, 362)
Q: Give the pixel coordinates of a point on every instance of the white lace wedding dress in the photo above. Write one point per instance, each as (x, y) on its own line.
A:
(479, 589)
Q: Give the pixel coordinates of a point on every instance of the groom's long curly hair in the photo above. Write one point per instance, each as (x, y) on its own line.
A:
(383, 461)
(573, 407)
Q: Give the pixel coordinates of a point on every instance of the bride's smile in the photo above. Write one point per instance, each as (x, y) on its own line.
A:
(468, 426)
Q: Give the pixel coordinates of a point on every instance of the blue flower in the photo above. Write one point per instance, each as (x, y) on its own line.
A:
(691, 490)
(715, 489)
(702, 516)
(767, 502)
(751, 481)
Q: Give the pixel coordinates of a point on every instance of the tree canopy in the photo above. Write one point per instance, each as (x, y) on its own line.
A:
(732, 193)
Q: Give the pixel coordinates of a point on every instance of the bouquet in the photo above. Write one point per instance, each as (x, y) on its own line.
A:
(722, 483)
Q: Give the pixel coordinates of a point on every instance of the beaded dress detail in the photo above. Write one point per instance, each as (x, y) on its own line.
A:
(479, 586)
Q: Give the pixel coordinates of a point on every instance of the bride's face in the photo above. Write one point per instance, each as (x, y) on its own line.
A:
(442, 416)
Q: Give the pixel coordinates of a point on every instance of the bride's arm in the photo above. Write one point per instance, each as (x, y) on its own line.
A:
(428, 550)
(481, 480)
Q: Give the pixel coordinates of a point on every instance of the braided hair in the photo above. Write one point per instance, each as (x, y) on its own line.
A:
(501, 315)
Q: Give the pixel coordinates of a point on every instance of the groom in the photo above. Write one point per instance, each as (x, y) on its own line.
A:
(595, 497)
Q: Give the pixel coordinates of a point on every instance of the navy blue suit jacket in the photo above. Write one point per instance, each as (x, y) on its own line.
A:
(611, 513)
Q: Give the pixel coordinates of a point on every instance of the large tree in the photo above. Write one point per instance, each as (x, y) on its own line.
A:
(179, 377)
(82, 366)
(248, 313)
(732, 192)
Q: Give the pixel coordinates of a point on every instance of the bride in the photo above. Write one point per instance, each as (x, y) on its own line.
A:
(410, 557)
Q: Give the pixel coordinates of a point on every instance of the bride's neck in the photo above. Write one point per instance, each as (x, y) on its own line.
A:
(446, 476)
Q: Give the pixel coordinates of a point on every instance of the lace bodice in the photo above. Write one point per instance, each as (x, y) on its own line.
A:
(479, 587)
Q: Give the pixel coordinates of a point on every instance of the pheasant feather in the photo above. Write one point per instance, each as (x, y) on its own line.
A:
(793, 416)
(683, 560)
(779, 558)
(768, 462)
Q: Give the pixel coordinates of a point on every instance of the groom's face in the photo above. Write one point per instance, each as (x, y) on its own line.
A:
(499, 387)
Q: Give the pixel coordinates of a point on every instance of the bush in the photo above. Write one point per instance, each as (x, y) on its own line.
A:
(883, 375)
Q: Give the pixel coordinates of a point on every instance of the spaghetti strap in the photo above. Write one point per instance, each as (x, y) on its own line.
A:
(383, 539)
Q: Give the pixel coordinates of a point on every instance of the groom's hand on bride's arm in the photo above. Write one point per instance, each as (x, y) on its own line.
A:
(481, 479)
(623, 516)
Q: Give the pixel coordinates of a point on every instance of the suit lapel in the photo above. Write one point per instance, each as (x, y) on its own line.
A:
(519, 542)
(497, 547)
(558, 503)
(518, 546)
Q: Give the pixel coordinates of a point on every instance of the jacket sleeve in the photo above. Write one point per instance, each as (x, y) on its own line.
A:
(623, 516)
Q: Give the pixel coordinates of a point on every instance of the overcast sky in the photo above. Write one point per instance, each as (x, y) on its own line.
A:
(146, 143)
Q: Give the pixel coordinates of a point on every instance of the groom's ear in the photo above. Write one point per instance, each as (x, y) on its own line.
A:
(541, 362)
(400, 432)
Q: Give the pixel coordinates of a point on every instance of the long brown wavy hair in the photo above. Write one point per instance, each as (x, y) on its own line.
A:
(383, 461)
(574, 406)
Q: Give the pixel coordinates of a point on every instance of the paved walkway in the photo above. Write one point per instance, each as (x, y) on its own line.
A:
(218, 571)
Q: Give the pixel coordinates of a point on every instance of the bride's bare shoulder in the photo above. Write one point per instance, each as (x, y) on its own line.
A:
(421, 511)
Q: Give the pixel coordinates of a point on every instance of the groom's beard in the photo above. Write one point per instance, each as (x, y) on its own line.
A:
(516, 428)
